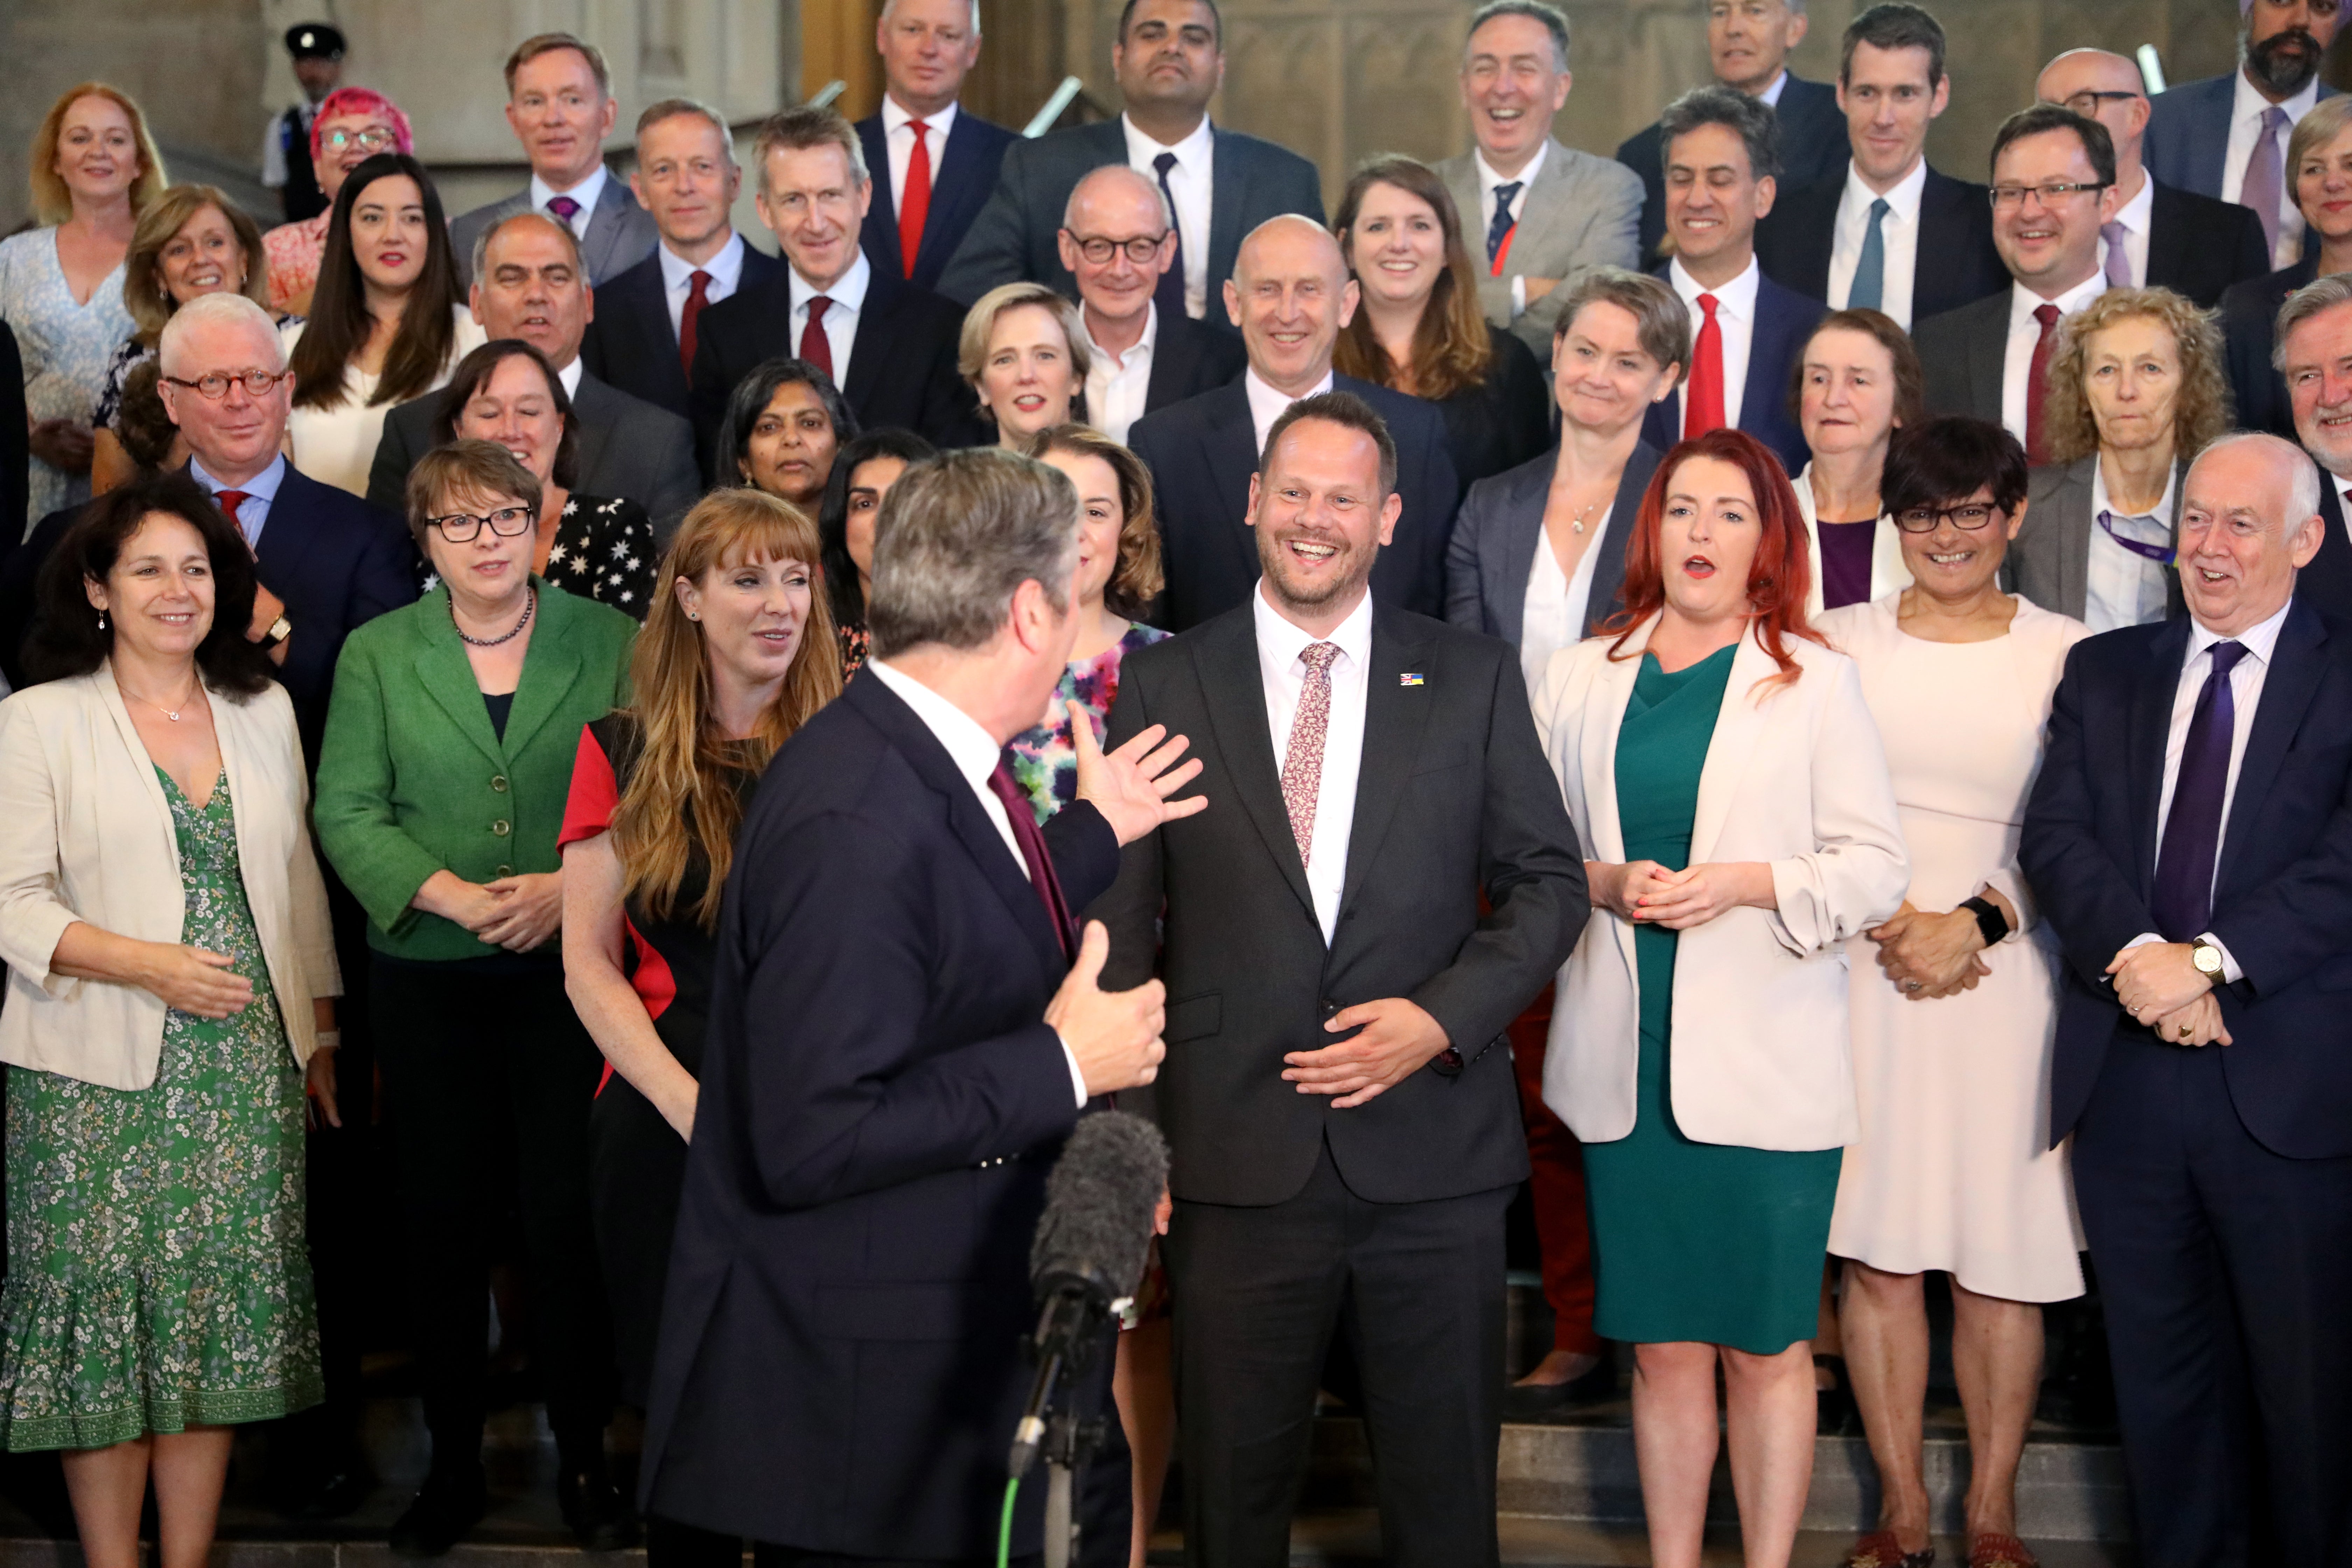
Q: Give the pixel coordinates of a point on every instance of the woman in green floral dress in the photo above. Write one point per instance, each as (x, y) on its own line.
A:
(172, 970)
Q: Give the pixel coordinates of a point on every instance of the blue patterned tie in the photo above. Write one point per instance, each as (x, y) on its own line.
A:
(1870, 271)
(1169, 292)
(2183, 905)
(1500, 229)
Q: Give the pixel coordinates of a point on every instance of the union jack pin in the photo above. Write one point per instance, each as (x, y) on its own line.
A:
(1413, 679)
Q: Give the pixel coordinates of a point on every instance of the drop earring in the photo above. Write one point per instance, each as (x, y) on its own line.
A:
(102, 620)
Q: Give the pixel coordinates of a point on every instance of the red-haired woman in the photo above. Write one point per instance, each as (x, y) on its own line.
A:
(1720, 761)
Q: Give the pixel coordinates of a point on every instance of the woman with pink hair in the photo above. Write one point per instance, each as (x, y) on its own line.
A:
(351, 126)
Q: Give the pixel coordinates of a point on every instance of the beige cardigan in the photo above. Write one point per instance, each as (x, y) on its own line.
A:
(86, 834)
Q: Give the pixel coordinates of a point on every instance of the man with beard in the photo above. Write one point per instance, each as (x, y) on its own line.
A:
(2226, 136)
(1337, 1093)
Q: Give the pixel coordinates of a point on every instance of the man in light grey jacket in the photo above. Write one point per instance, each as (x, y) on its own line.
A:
(1536, 213)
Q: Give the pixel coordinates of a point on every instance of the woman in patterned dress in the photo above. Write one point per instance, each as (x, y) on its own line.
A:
(599, 547)
(171, 972)
(94, 170)
(351, 126)
(863, 473)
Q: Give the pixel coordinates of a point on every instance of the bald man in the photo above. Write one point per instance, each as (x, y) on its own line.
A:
(1117, 240)
(1290, 296)
(2161, 235)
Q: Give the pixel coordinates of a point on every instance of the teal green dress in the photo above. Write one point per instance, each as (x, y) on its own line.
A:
(157, 1277)
(1704, 1242)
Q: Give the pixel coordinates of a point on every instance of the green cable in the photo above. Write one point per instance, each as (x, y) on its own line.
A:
(1004, 1530)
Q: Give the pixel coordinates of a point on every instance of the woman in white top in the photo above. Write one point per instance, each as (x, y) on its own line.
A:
(171, 972)
(1536, 557)
(387, 321)
(1726, 778)
(1858, 382)
(1954, 1001)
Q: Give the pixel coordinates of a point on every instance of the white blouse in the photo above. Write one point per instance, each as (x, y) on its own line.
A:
(337, 445)
(1552, 616)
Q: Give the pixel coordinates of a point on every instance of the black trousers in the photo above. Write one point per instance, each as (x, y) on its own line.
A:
(488, 1075)
(2226, 1272)
(1417, 1288)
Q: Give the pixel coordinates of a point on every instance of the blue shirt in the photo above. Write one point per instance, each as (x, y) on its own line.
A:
(253, 512)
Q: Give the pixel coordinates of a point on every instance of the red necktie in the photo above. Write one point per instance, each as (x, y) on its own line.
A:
(2036, 375)
(1703, 399)
(688, 318)
(228, 502)
(1032, 851)
(815, 347)
(917, 205)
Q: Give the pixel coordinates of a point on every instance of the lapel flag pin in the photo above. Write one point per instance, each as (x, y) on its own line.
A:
(1410, 679)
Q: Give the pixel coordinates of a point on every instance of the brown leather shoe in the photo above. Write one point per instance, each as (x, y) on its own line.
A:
(1987, 1549)
(1879, 1549)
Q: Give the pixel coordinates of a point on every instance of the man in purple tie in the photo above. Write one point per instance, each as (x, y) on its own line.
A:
(2189, 840)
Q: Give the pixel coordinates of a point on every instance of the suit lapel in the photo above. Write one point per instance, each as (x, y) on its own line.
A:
(1395, 715)
(1738, 725)
(2076, 526)
(1232, 452)
(954, 190)
(2213, 150)
(1172, 358)
(2326, 583)
(1229, 175)
(2145, 741)
(2169, 255)
(445, 673)
(289, 538)
(1608, 571)
(603, 225)
(595, 412)
(550, 666)
(882, 215)
(1543, 206)
(1233, 689)
(1613, 689)
(2288, 687)
(870, 350)
(1988, 353)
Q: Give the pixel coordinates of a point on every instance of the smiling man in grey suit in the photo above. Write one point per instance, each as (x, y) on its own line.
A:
(1546, 212)
(1170, 61)
(559, 105)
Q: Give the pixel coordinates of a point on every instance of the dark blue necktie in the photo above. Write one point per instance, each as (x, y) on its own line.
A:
(1500, 229)
(1169, 292)
(2183, 905)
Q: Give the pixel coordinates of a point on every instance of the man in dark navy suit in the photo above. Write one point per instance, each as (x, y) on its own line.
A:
(2316, 352)
(1888, 232)
(2190, 839)
(1290, 294)
(934, 161)
(1747, 44)
(905, 1026)
(1747, 332)
(642, 337)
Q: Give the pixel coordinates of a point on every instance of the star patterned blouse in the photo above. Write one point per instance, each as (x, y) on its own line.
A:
(603, 551)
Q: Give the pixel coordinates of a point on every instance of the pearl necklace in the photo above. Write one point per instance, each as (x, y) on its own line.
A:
(529, 606)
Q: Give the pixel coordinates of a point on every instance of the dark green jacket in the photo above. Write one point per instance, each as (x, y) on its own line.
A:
(413, 779)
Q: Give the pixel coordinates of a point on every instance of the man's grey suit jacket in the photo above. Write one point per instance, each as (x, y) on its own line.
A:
(627, 448)
(620, 232)
(1584, 211)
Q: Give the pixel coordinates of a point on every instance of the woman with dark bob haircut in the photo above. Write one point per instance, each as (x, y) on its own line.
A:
(784, 423)
(863, 473)
(155, 840)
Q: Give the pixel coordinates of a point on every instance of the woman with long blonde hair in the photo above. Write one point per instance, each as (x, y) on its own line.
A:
(735, 654)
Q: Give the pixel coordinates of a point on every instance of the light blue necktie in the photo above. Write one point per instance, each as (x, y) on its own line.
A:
(1870, 273)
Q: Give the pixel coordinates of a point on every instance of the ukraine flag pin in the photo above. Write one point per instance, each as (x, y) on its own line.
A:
(1410, 679)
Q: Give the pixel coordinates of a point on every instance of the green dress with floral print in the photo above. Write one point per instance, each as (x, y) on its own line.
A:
(157, 1279)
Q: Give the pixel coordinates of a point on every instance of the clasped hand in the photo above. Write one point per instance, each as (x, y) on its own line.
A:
(1398, 1039)
(1647, 894)
(2159, 984)
(1930, 955)
(518, 914)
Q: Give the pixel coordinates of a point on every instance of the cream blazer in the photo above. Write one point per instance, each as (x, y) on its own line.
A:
(86, 834)
(1795, 777)
(1887, 572)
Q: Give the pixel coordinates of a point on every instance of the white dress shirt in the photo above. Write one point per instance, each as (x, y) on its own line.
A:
(260, 491)
(585, 193)
(1118, 384)
(2246, 107)
(848, 297)
(1735, 313)
(1477, 229)
(900, 140)
(725, 270)
(1898, 231)
(1551, 616)
(569, 376)
(2137, 216)
(1771, 95)
(2246, 678)
(1266, 404)
(1191, 183)
(2024, 332)
(2124, 587)
(976, 756)
(1284, 673)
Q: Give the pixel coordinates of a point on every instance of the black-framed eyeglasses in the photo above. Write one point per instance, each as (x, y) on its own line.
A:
(2054, 193)
(464, 527)
(375, 139)
(2086, 103)
(1141, 250)
(1969, 515)
(213, 387)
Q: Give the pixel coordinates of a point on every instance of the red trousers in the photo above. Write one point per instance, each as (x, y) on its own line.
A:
(1563, 1229)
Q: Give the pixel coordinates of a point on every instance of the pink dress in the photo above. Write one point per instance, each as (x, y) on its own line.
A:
(295, 251)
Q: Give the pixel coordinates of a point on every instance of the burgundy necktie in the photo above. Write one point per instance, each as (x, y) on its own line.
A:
(2036, 375)
(917, 205)
(1024, 817)
(815, 347)
(689, 318)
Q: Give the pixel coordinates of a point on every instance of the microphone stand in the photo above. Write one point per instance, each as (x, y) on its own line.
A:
(1069, 1329)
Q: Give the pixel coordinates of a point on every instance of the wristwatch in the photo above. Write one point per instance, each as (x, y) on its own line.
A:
(279, 630)
(2206, 958)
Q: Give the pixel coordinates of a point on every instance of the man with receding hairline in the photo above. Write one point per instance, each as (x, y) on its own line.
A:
(1289, 295)
(941, 159)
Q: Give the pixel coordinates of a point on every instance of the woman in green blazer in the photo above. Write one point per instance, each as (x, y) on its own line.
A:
(441, 788)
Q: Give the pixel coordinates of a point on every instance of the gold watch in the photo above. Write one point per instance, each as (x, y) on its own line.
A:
(2206, 958)
(279, 630)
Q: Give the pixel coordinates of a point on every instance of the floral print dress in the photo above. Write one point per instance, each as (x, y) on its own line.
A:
(157, 1277)
(1045, 758)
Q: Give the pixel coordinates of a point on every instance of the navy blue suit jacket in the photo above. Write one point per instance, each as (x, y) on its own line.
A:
(881, 1098)
(1784, 319)
(960, 179)
(1956, 261)
(2326, 584)
(2282, 895)
(1201, 453)
(2188, 138)
(2249, 331)
(338, 563)
(631, 345)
